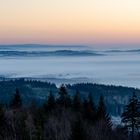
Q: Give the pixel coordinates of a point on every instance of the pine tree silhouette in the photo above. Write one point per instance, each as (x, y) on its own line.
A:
(77, 103)
(91, 103)
(3, 122)
(50, 102)
(17, 101)
(78, 131)
(68, 101)
(102, 114)
(62, 100)
(90, 108)
(131, 115)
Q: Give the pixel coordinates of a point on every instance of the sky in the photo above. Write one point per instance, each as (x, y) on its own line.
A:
(70, 21)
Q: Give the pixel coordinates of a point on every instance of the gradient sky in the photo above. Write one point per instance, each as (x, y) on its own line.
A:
(70, 21)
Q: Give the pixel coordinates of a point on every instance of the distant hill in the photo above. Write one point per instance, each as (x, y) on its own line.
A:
(115, 96)
(48, 53)
(30, 90)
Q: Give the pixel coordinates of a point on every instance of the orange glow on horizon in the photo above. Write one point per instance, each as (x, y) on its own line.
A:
(65, 21)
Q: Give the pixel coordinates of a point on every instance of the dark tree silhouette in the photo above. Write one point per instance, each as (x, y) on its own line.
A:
(2, 122)
(131, 115)
(77, 103)
(50, 102)
(62, 100)
(78, 131)
(17, 101)
(91, 108)
(102, 114)
(68, 101)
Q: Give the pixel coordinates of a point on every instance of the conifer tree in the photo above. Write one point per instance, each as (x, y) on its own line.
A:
(17, 101)
(131, 115)
(1, 115)
(62, 100)
(77, 103)
(51, 102)
(90, 109)
(91, 103)
(68, 101)
(78, 130)
(2, 122)
(102, 114)
(101, 111)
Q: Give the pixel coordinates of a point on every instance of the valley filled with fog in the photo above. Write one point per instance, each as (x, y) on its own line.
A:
(71, 64)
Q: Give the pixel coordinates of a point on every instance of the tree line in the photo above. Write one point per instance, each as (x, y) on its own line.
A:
(64, 118)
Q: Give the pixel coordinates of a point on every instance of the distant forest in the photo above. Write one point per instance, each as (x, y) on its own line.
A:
(63, 116)
(32, 90)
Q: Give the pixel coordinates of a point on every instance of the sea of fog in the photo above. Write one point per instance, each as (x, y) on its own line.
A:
(71, 64)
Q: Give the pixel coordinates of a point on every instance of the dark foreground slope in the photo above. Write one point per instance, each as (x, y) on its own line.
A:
(115, 96)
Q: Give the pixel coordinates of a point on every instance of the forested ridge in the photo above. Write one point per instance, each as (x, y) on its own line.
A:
(66, 117)
(115, 96)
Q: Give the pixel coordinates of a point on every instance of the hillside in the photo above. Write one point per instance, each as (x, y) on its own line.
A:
(115, 96)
